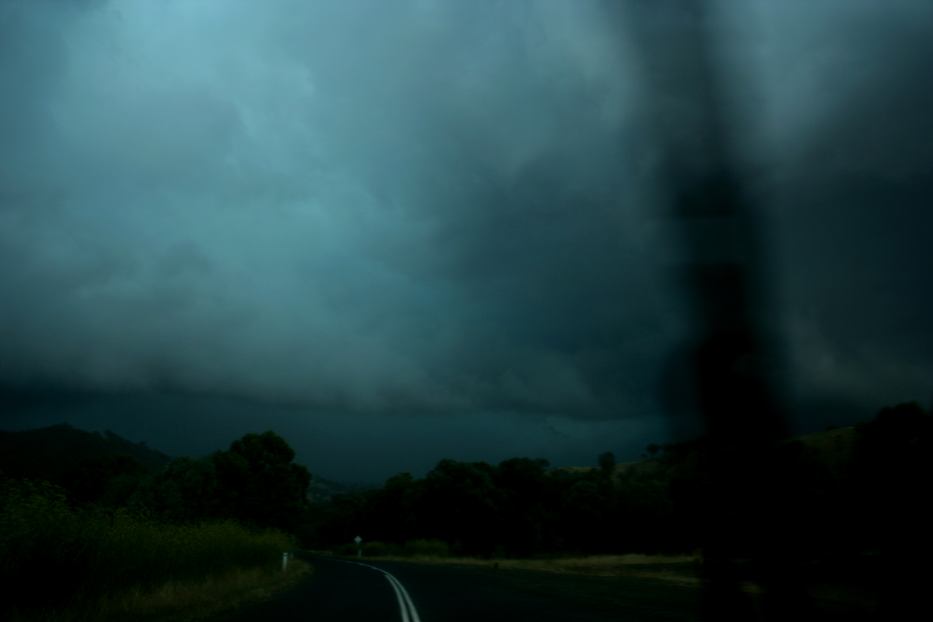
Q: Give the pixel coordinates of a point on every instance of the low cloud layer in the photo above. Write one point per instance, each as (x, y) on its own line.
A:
(440, 207)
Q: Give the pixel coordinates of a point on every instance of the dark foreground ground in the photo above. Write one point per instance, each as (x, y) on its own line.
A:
(344, 591)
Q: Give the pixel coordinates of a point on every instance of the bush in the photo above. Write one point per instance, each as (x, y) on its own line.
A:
(427, 548)
(380, 549)
(54, 555)
(412, 548)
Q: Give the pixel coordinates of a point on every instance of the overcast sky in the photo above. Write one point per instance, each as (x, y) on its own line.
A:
(401, 231)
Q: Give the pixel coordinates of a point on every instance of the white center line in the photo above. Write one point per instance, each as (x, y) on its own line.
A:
(401, 600)
(407, 608)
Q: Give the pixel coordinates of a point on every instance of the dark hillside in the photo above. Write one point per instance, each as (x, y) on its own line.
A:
(90, 466)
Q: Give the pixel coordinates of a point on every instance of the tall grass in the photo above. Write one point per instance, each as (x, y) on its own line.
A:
(54, 556)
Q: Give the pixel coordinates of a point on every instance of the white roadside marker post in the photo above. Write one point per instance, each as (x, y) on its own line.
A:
(284, 561)
(359, 549)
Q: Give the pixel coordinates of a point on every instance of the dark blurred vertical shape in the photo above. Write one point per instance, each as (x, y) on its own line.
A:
(722, 275)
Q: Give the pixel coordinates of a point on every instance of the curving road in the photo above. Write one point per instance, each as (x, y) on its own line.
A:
(347, 591)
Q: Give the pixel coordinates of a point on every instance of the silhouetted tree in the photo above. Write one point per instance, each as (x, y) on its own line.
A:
(607, 463)
(259, 483)
(186, 491)
(527, 505)
(460, 505)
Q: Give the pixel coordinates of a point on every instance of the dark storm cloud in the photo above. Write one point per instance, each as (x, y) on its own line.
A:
(431, 206)
(850, 196)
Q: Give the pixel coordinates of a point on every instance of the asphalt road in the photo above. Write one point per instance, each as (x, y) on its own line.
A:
(395, 591)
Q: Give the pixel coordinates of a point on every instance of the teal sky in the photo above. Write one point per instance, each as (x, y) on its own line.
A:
(437, 228)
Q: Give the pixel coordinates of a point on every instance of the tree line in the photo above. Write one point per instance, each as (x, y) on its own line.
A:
(82, 530)
(850, 490)
(846, 492)
(255, 481)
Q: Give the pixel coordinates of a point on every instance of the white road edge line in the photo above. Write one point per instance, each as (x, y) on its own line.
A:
(405, 604)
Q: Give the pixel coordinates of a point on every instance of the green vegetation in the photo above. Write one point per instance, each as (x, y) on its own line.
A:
(59, 556)
(98, 468)
(433, 549)
(680, 569)
(845, 495)
(108, 534)
(191, 600)
(120, 539)
(255, 482)
(518, 508)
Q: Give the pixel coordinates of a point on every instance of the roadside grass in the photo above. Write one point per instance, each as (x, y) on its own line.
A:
(188, 601)
(61, 564)
(682, 569)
